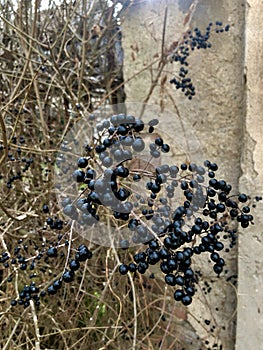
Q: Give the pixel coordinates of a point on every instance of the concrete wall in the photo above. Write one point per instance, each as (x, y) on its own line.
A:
(250, 257)
(226, 118)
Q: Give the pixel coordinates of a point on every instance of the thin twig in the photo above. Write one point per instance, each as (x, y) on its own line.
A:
(164, 30)
(69, 244)
(33, 310)
(3, 127)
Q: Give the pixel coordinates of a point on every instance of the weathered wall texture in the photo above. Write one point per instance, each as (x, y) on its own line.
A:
(216, 111)
(228, 127)
(250, 258)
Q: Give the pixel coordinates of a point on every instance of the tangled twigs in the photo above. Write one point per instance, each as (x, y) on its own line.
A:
(4, 135)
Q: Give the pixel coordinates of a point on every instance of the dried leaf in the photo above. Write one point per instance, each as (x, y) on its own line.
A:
(190, 13)
(164, 79)
(162, 105)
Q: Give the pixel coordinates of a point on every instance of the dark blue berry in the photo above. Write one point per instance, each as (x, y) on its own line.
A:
(51, 290)
(132, 267)
(165, 148)
(57, 284)
(79, 175)
(139, 125)
(187, 300)
(213, 167)
(159, 141)
(170, 280)
(68, 276)
(242, 198)
(52, 252)
(45, 208)
(82, 162)
(218, 268)
(70, 211)
(123, 269)
(138, 145)
(136, 177)
(83, 253)
(13, 302)
(178, 295)
(74, 265)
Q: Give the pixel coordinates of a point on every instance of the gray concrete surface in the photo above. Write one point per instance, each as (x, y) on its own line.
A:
(250, 257)
(226, 117)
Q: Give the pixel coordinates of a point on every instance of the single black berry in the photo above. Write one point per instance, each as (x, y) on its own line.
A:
(123, 269)
(68, 276)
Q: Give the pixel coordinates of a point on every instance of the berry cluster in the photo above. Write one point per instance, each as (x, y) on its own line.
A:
(17, 163)
(104, 173)
(174, 213)
(181, 240)
(20, 261)
(192, 40)
(82, 254)
(37, 257)
(172, 232)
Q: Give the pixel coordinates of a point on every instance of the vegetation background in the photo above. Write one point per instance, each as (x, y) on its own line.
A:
(64, 62)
